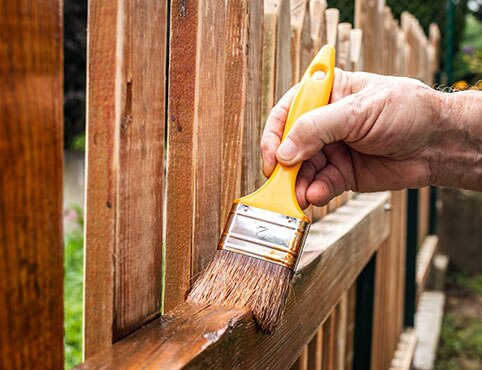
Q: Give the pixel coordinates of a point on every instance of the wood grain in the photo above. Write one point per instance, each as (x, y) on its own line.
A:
(329, 342)
(242, 103)
(214, 337)
(315, 351)
(276, 66)
(317, 23)
(31, 144)
(301, 51)
(250, 179)
(125, 143)
(369, 18)
(390, 273)
(195, 134)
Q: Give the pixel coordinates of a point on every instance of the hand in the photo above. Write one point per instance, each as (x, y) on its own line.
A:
(376, 134)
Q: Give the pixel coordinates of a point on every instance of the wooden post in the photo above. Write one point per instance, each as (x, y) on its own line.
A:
(315, 353)
(125, 166)
(332, 17)
(250, 179)
(301, 51)
(343, 48)
(317, 22)
(195, 137)
(31, 145)
(276, 77)
(369, 18)
(356, 59)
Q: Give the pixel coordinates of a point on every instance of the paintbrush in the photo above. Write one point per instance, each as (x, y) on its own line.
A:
(265, 231)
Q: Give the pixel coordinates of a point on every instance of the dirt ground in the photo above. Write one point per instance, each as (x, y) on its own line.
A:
(460, 346)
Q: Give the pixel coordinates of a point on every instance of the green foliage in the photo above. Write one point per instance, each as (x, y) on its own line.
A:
(460, 344)
(468, 62)
(468, 284)
(78, 142)
(73, 282)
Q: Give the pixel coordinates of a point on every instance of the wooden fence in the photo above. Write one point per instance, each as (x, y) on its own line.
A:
(178, 93)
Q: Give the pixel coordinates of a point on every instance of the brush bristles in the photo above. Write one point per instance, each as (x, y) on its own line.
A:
(236, 280)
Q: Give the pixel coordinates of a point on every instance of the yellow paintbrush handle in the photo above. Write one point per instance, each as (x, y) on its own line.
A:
(278, 193)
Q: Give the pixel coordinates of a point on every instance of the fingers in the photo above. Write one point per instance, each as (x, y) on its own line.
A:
(328, 183)
(306, 176)
(326, 175)
(319, 127)
(273, 131)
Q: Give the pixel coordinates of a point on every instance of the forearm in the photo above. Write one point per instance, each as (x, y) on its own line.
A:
(456, 159)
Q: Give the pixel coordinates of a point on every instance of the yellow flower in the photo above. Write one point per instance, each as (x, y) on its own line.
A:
(460, 85)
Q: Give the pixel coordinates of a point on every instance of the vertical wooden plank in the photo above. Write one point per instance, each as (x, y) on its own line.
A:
(125, 143)
(195, 131)
(356, 60)
(276, 75)
(329, 335)
(103, 115)
(368, 17)
(301, 362)
(340, 332)
(343, 45)
(234, 102)
(138, 227)
(276, 63)
(252, 125)
(350, 327)
(301, 41)
(423, 213)
(317, 23)
(31, 143)
(332, 16)
(315, 351)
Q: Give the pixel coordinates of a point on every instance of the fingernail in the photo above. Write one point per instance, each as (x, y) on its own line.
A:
(287, 150)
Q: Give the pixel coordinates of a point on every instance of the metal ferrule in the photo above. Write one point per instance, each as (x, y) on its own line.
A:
(265, 235)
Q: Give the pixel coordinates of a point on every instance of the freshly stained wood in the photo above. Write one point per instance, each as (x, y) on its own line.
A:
(213, 337)
(125, 144)
(195, 133)
(31, 147)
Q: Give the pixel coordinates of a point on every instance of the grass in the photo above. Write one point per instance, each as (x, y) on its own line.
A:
(460, 345)
(73, 282)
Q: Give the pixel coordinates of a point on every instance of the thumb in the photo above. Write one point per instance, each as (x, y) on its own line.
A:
(315, 129)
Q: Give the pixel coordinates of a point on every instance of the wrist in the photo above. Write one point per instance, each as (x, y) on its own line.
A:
(456, 150)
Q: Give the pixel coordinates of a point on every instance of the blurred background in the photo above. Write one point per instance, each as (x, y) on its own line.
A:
(459, 212)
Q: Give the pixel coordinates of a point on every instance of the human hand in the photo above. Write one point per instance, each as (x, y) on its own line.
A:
(377, 133)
